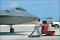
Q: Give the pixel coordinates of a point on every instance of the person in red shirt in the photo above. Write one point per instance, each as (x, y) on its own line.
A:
(45, 25)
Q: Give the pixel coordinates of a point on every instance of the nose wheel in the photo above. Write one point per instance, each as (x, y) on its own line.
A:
(11, 29)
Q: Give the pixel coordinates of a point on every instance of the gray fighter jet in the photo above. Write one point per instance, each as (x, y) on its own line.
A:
(15, 16)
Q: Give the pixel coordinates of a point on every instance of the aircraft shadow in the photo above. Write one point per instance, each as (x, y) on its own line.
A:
(15, 33)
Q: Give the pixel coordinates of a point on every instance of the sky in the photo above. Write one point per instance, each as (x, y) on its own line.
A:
(39, 8)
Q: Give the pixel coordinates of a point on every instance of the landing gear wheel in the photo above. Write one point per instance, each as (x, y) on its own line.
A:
(12, 30)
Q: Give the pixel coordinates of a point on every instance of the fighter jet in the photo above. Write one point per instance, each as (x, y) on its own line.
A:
(15, 16)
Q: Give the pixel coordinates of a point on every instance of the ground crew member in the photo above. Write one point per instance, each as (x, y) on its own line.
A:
(38, 29)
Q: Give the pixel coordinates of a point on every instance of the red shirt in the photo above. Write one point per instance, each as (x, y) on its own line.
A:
(45, 28)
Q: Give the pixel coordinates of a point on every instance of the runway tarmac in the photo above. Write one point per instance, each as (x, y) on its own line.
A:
(22, 32)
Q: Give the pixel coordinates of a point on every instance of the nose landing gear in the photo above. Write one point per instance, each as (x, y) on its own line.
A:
(11, 29)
